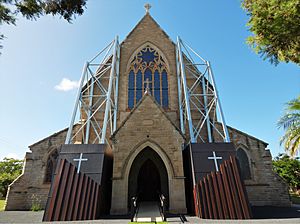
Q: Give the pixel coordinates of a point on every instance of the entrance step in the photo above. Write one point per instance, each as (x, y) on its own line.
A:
(148, 211)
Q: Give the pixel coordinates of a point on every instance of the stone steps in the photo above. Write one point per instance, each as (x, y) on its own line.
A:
(148, 211)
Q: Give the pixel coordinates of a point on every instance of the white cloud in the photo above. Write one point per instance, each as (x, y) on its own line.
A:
(66, 85)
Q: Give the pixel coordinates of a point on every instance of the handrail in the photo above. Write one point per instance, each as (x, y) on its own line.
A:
(133, 207)
(162, 199)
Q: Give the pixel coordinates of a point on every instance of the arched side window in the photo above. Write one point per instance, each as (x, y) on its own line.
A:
(51, 165)
(244, 164)
(148, 68)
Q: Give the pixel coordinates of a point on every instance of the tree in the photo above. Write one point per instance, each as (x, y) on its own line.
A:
(291, 123)
(33, 9)
(10, 169)
(275, 25)
(289, 169)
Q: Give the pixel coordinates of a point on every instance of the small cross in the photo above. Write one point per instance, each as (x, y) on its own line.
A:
(147, 7)
(79, 161)
(147, 90)
(215, 158)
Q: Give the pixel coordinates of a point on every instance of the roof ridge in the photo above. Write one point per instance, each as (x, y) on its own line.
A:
(143, 18)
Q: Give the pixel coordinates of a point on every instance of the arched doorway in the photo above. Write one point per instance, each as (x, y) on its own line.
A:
(148, 177)
(148, 182)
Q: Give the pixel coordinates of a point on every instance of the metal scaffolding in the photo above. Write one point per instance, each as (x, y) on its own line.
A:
(97, 98)
(199, 102)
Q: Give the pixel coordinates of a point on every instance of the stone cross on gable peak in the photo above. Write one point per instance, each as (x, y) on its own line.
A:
(215, 158)
(147, 7)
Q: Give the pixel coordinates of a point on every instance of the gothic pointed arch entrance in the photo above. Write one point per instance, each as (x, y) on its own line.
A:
(148, 177)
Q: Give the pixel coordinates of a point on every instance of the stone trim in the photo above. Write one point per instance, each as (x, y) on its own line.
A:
(250, 159)
(138, 148)
(147, 15)
(135, 108)
(50, 136)
(245, 134)
(142, 46)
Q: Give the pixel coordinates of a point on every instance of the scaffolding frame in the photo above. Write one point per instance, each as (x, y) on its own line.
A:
(200, 76)
(206, 103)
(89, 103)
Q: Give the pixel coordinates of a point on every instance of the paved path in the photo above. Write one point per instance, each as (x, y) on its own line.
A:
(21, 217)
(148, 211)
(279, 216)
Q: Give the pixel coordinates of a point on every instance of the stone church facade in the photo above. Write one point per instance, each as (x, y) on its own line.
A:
(148, 129)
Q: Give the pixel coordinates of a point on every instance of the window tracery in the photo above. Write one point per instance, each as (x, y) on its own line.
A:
(244, 164)
(51, 165)
(148, 68)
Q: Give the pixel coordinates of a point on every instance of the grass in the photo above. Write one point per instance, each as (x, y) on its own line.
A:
(295, 198)
(147, 222)
(2, 205)
(36, 207)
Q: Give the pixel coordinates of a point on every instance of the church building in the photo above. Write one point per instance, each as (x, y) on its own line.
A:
(147, 122)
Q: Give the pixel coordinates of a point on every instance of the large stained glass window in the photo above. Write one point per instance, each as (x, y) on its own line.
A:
(148, 69)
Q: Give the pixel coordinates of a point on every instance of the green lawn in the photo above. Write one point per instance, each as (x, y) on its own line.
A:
(147, 222)
(295, 198)
(2, 205)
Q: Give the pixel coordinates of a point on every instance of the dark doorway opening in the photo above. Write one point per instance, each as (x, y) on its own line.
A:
(148, 177)
(149, 185)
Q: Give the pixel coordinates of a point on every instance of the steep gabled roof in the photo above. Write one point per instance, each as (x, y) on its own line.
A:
(48, 137)
(138, 105)
(147, 16)
(245, 134)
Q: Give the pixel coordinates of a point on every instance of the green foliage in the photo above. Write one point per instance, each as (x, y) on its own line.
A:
(36, 207)
(295, 198)
(36, 203)
(289, 169)
(33, 9)
(275, 25)
(291, 123)
(10, 169)
(147, 222)
(2, 203)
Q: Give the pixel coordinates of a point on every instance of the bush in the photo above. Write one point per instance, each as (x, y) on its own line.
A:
(10, 169)
(289, 169)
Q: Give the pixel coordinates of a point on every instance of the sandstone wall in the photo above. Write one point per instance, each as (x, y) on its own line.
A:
(265, 187)
(147, 31)
(30, 188)
(148, 126)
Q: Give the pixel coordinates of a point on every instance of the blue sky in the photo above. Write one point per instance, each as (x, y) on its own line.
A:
(37, 55)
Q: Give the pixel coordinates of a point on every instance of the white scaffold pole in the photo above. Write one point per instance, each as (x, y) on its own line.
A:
(108, 94)
(179, 93)
(225, 130)
(69, 133)
(91, 93)
(206, 111)
(186, 93)
(116, 87)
